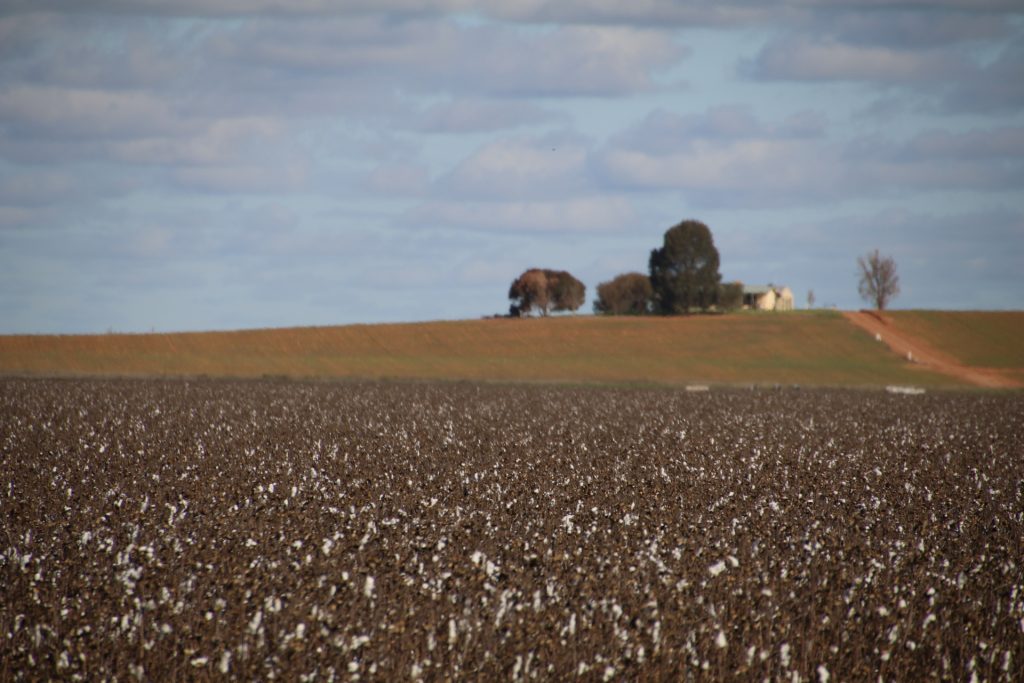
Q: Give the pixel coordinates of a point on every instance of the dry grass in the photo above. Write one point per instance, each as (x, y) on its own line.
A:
(817, 348)
(981, 339)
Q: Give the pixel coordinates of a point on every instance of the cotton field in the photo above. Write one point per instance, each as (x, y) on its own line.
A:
(171, 530)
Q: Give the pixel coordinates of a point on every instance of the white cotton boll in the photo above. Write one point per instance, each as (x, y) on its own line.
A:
(720, 641)
(717, 568)
(225, 662)
(368, 587)
(609, 673)
(784, 654)
(254, 624)
(823, 674)
(733, 562)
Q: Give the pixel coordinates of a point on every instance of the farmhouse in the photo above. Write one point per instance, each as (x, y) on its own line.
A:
(767, 298)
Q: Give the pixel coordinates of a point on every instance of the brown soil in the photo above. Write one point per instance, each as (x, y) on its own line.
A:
(921, 352)
(191, 530)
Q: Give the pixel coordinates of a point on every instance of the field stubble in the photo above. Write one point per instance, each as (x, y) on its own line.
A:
(312, 531)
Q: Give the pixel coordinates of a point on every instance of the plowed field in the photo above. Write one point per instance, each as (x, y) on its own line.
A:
(172, 530)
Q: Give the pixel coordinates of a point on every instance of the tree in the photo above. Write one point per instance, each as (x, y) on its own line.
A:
(626, 294)
(684, 272)
(567, 293)
(545, 291)
(730, 296)
(879, 283)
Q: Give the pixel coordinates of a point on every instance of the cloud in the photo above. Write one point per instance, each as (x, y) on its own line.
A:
(943, 54)
(242, 178)
(995, 87)
(986, 160)
(474, 115)
(548, 166)
(440, 55)
(206, 143)
(728, 157)
(398, 179)
(928, 25)
(724, 155)
(664, 131)
(806, 58)
(588, 215)
(60, 113)
(35, 188)
(16, 217)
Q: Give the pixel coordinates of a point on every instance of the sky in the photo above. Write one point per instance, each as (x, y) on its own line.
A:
(223, 164)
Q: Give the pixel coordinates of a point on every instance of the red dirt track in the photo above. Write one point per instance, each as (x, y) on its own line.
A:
(924, 354)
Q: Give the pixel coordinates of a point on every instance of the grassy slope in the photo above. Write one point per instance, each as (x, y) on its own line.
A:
(818, 348)
(983, 339)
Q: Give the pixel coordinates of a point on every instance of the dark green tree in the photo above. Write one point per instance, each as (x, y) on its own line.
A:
(684, 271)
(730, 296)
(626, 294)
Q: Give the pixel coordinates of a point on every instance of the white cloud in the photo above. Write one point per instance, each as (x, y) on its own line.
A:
(551, 166)
(744, 162)
(398, 179)
(242, 178)
(803, 58)
(211, 142)
(589, 215)
(433, 55)
(54, 112)
(474, 115)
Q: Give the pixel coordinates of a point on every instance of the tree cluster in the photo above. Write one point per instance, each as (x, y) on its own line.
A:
(627, 294)
(545, 291)
(682, 278)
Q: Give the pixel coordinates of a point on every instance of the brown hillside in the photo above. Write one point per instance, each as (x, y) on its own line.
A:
(981, 348)
(818, 348)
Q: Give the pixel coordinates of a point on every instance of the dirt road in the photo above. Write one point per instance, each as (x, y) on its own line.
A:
(918, 350)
